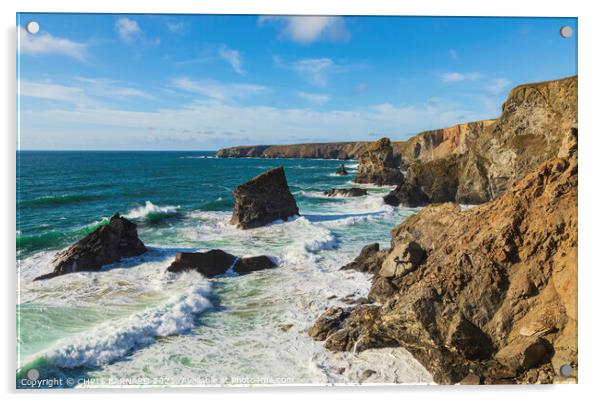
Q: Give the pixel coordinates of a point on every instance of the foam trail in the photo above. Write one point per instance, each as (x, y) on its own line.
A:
(152, 212)
(114, 340)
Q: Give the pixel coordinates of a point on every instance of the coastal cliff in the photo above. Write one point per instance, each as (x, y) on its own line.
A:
(476, 162)
(333, 150)
(487, 295)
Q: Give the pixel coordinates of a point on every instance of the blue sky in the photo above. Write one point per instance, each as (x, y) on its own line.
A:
(185, 82)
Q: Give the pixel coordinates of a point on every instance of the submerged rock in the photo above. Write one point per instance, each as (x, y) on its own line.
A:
(379, 165)
(346, 192)
(106, 245)
(262, 200)
(209, 263)
(487, 295)
(250, 264)
(341, 171)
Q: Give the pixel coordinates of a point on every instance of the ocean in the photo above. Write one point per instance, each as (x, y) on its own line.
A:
(134, 324)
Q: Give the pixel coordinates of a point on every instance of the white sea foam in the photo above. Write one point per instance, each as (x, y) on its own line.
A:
(150, 210)
(115, 339)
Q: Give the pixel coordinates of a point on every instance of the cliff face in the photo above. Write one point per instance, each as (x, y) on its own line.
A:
(334, 150)
(476, 162)
(379, 165)
(488, 295)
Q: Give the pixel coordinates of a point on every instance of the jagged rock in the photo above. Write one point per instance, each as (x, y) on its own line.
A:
(476, 162)
(341, 171)
(496, 291)
(209, 263)
(106, 245)
(379, 165)
(250, 264)
(328, 323)
(262, 200)
(369, 260)
(346, 192)
(402, 260)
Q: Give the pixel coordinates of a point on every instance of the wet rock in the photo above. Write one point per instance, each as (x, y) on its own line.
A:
(346, 192)
(366, 374)
(285, 327)
(209, 263)
(328, 323)
(250, 264)
(471, 379)
(379, 165)
(262, 200)
(369, 260)
(341, 171)
(106, 245)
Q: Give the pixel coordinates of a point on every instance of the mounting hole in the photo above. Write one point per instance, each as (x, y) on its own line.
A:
(32, 27)
(566, 31)
(566, 370)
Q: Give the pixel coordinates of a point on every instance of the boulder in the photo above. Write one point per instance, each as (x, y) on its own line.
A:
(402, 259)
(106, 245)
(262, 200)
(346, 192)
(209, 263)
(341, 171)
(250, 264)
(379, 165)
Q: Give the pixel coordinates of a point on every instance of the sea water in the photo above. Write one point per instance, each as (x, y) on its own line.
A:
(134, 324)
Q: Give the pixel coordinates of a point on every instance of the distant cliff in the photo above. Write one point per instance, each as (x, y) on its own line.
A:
(331, 150)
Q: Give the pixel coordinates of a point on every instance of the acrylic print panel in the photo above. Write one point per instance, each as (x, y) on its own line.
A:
(277, 200)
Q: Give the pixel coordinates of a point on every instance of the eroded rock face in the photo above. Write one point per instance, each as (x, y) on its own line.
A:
(378, 164)
(209, 263)
(346, 192)
(476, 162)
(262, 200)
(487, 295)
(370, 259)
(106, 245)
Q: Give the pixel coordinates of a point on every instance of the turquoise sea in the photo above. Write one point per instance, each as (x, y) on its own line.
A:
(134, 324)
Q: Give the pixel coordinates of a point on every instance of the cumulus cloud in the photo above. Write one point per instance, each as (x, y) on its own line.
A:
(216, 90)
(127, 29)
(232, 57)
(308, 29)
(456, 76)
(46, 44)
(317, 99)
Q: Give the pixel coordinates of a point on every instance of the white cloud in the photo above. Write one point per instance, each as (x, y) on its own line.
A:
(232, 57)
(54, 92)
(176, 27)
(127, 29)
(455, 76)
(498, 85)
(218, 91)
(105, 87)
(318, 99)
(307, 29)
(45, 44)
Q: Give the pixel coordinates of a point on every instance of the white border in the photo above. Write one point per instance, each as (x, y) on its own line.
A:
(590, 197)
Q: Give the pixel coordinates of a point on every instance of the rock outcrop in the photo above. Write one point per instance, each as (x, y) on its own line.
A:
(341, 171)
(209, 263)
(262, 200)
(218, 262)
(346, 192)
(476, 162)
(249, 264)
(486, 295)
(370, 259)
(106, 245)
(379, 165)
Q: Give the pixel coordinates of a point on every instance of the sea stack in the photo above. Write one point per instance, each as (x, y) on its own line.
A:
(106, 245)
(262, 200)
(378, 165)
(341, 171)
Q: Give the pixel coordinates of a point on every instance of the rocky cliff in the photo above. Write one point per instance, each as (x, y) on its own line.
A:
(333, 150)
(378, 164)
(476, 162)
(487, 295)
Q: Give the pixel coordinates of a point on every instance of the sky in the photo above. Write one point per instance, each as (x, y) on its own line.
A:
(200, 82)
